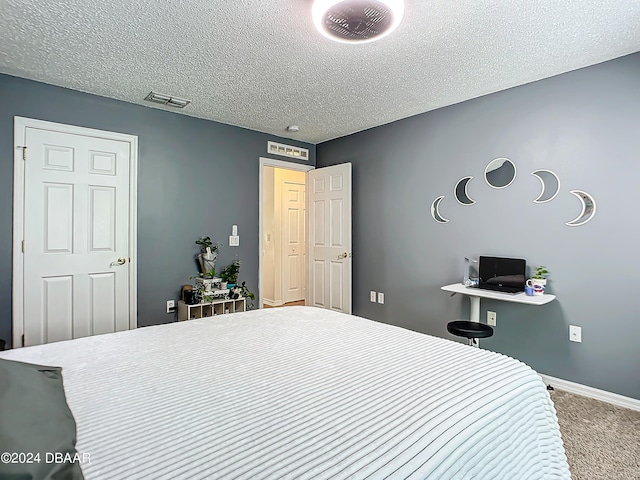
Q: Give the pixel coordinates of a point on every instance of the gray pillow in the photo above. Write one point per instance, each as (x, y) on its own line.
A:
(35, 420)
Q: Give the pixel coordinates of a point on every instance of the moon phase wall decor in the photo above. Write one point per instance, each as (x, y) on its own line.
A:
(435, 212)
(500, 173)
(550, 185)
(588, 208)
(461, 193)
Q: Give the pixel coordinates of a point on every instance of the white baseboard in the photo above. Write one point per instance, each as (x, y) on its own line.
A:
(590, 392)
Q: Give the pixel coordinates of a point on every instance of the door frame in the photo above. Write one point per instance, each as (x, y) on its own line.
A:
(20, 124)
(270, 162)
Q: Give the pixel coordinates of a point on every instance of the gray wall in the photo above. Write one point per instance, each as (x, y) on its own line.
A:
(583, 125)
(195, 178)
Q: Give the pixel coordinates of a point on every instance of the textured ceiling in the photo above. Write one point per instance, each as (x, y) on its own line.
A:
(260, 64)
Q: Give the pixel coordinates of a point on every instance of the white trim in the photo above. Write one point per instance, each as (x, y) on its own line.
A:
(270, 162)
(20, 125)
(17, 286)
(590, 392)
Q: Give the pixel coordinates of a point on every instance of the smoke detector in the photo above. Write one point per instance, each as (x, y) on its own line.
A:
(357, 21)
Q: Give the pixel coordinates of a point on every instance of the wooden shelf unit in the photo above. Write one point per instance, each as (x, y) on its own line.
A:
(217, 307)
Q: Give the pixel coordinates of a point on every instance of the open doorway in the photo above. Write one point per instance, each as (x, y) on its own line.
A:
(283, 231)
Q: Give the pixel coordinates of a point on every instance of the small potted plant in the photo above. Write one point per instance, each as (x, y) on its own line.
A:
(539, 280)
(229, 274)
(207, 280)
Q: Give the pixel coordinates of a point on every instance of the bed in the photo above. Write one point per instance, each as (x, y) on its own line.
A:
(301, 393)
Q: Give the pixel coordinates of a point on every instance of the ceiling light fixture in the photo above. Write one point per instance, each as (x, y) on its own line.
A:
(167, 100)
(292, 128)
(357, 21)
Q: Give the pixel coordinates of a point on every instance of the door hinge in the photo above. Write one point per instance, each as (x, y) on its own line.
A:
(22, 246)
(23, 339)
(24, 152)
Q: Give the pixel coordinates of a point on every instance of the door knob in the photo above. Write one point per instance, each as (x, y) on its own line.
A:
(120, 261)
(343, 255)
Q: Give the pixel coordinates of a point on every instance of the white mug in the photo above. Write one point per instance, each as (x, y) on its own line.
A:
(538, 285)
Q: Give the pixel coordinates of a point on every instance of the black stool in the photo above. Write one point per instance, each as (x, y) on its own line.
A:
(469, 330)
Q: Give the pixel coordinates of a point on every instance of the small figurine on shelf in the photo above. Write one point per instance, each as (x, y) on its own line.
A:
(235, 292)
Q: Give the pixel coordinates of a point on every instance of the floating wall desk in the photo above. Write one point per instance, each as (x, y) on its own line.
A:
(475, 294)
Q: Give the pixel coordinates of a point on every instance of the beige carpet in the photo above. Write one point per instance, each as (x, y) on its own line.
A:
(602, 441)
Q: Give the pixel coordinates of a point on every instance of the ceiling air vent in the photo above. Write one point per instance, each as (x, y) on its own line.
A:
(357, 20)
(167, 100)
(287, 150)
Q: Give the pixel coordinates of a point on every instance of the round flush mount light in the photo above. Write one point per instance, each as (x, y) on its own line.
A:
(357, 21)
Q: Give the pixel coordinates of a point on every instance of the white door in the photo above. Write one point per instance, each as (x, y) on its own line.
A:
(294, 256)
(76, 220)
(330, 262)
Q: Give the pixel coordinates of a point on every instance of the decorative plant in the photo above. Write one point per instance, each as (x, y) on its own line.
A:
(246, 293)
(541, 272)
(206, 242)
(207, 256)
(230, 273)
(210, 274)
(200, 289)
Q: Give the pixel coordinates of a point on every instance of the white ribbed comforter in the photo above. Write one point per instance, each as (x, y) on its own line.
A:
(302, 393)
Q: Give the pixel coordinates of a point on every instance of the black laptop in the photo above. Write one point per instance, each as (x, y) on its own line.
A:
(501, 274)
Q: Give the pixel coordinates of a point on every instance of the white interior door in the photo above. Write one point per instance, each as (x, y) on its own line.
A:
(295, 246)
(270, 230)
(76, 250)
(330, 262)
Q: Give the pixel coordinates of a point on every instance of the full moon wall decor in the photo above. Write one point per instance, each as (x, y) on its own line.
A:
(500, 173)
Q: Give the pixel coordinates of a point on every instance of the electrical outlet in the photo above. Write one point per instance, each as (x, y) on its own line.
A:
(171, 306)
(380, 297)
(372, 296)
(575, 333)
(491, 318)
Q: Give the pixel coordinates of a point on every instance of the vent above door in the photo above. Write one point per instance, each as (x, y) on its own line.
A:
(287, 150)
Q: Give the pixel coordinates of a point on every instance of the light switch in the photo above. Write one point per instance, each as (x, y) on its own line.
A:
(575, 333)
(234, 240)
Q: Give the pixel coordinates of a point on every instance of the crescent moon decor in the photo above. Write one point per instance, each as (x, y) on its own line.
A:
(435, 212)
(550, 185)
(588, 208)
(460, 192)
